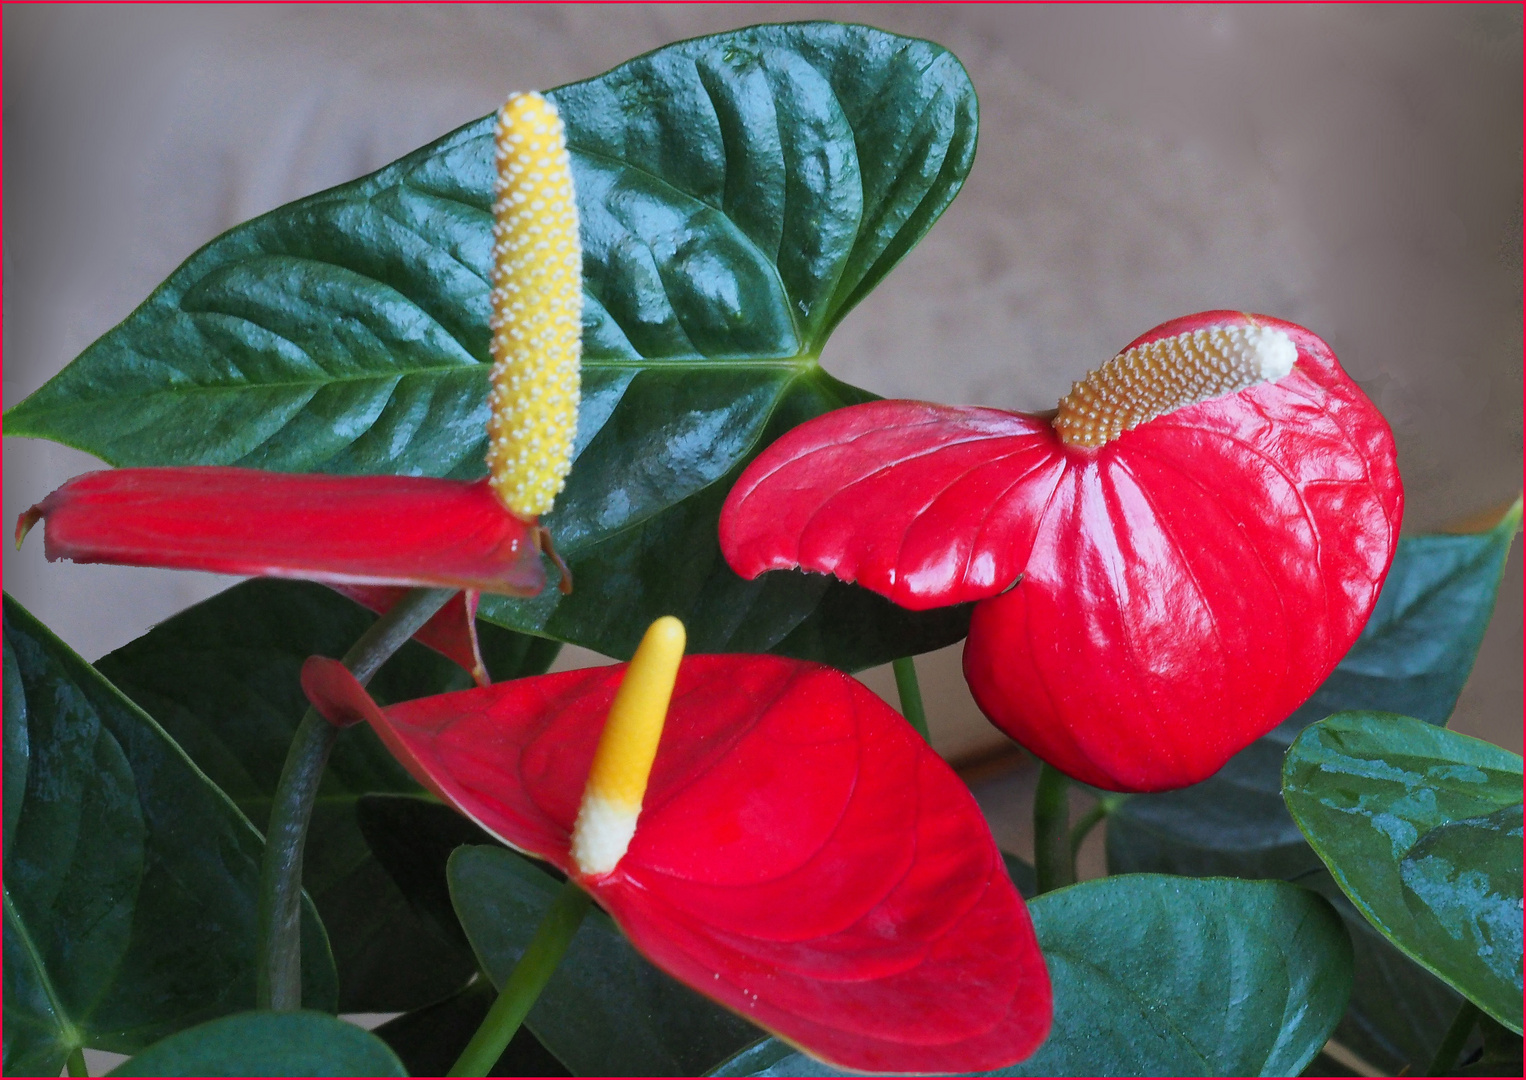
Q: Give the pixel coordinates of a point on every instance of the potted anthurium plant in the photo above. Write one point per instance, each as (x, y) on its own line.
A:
(553, 378)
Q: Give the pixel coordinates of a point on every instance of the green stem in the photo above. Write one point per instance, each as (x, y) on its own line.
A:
(911, 694)
(1053, 864)
(278, 955)
(1082, 828)
(525, 983)
(77, 1065)
(1454, 1040)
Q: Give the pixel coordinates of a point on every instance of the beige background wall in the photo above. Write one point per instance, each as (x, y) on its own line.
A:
(1355, 169)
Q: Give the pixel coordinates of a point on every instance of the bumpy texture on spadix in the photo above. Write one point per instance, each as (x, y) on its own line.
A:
(1150, 604)
(1171, 373)
(623, 763)
(803, 857)
(537, 309)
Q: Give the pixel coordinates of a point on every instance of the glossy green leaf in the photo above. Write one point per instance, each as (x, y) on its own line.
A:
(129, 877)
(606, 1011)
(267, 1044)
(739, 193)
(429, 1040)
(1399, 1011)
(1421, 828)
(222, 677)
(1166, 976)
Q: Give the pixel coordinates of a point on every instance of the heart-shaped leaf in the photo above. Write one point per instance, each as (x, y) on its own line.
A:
(222, 677)
(1421, 828)
(1165, 976)
(738, 194)
(267, 1044)
(606, 1011)
(129, 877)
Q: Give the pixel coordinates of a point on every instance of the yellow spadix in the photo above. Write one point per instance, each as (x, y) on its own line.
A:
(537, 309)
(622, 763)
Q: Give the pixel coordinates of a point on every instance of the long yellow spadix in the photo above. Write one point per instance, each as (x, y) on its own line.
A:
(537, 309)
(628, 746)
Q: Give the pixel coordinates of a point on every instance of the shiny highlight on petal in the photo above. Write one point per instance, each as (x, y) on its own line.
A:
(537, 309)
(622, 764)
(1171, 373)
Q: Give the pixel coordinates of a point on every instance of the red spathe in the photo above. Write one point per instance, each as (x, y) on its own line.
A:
(359, 530)
(1183, 588)
(802, 856)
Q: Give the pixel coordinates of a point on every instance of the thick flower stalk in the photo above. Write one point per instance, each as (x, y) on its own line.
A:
(782, 842)
(370, 536)
(1165, 569)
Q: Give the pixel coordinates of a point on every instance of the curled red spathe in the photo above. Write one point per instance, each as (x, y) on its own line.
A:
(1182, 588)
(354, 530)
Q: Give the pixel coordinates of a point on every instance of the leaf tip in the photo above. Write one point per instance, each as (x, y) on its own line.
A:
(335, 693)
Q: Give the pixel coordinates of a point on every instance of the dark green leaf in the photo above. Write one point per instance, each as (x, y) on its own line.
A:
(129, 877)
(429, 1040)
(222, 677)
(1500, 1054)
(1022, 874)
(739, 193)
(412, 837)
(1421, 828)
(1512, 1067)
(267, 1044)
(606, 1011)
(1167, 976)
(1399, 1012)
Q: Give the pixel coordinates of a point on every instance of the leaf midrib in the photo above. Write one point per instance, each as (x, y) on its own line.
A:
(13, 917)
(800, 364)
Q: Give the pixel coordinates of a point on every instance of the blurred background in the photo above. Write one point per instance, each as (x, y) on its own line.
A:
(1354, 169)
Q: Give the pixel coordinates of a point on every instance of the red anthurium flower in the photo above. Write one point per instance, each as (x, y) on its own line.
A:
(368, 533)
(790, 847)
(1166, 568)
